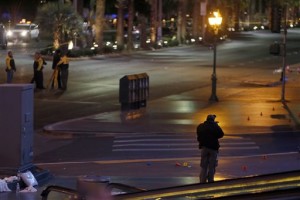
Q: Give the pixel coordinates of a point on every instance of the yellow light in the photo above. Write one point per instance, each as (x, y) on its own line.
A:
(70, 45)
(216, 19)
(23, 21)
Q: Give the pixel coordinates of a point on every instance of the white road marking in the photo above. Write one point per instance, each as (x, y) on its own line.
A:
(179, 144)
(183, 149)
(168, 142)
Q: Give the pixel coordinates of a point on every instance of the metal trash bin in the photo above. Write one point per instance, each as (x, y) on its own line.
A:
(143, 90)
(133, 91)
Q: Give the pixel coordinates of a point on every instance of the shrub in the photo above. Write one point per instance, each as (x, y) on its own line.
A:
(74, 53)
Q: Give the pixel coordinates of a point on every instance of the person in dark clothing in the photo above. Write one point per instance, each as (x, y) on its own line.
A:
(10, 66)
(208, 135)
(57, 78)
(63, 66)
(38, 66)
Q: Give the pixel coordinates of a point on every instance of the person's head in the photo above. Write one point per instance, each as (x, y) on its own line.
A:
(211, 118)
(37, 55)
(9, 53)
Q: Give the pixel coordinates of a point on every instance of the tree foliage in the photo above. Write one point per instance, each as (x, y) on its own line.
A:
(62, 20)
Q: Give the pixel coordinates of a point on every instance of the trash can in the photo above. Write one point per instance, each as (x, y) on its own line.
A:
(133, 91)
(143, 91)
(127, 92)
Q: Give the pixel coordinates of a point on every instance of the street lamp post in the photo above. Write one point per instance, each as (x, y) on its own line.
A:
(214, 21)
(284, 54)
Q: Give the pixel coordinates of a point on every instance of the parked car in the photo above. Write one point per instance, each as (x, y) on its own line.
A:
(3, 38)
(24, 32)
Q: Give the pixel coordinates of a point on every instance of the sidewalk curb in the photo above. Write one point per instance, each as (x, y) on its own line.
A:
(262, 83)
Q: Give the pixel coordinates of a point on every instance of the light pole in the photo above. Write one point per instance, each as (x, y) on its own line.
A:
(284, 54)
(214, 21)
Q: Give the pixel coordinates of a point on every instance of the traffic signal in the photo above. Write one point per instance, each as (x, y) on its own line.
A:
(276, 15)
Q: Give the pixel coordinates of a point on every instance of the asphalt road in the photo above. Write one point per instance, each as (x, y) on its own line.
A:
(93, 82)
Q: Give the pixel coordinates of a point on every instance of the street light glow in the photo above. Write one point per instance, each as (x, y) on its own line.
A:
(216, 19)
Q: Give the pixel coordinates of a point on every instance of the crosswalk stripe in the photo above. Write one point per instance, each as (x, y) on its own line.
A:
(183, 149)
(158, 149)
(240, 148)
(179, 144)
(151, 140)
(237, 143)
(172, 135)
(152, 145)
(168, 142)
(148, 135)
(158, 140)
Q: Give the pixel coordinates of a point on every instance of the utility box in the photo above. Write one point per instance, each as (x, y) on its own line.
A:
(16, 126)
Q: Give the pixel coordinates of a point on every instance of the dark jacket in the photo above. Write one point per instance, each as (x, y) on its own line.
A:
(56, 59)
(208, 135)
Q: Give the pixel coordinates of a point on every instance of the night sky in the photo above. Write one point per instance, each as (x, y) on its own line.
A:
(15, 10)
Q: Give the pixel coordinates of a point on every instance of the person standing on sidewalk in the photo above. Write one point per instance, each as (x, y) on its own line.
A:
(63, 66)
(10, 66)
(38, 66)
(56, 82)
(208, 135)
